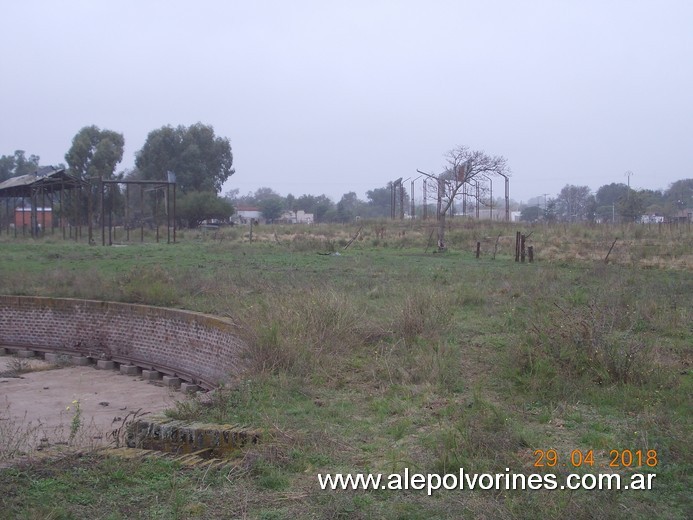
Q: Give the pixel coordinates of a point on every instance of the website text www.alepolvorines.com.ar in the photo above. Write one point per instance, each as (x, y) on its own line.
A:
(463, 480)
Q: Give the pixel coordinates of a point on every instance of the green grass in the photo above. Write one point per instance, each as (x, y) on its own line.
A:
(386, 358)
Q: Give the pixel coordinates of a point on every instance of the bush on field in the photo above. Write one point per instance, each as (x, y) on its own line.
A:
(593, 341)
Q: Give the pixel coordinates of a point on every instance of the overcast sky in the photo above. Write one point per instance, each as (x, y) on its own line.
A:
(338, 96)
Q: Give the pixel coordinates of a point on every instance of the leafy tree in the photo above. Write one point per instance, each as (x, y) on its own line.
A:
(379, 201)
(17, 164)
(680, 194)
(290, 202)
(652, 200)
(611, 194)
(253, 198)
(632, 206)
(271, 208)
(198, 206)
(348, 207)
(550, 211)
(200, 160)
(265, 193)
(320, 206)
(531, 213)
(575, 204)
(95, 153)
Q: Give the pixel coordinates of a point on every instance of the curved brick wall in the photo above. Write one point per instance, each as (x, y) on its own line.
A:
(196, 347)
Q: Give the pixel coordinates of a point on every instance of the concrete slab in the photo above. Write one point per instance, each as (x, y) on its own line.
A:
(104, 364)
(26, 353)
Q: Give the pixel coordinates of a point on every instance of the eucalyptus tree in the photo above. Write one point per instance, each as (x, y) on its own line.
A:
(94, 154)
(200, 160)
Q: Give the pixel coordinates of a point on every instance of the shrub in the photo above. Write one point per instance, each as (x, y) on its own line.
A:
(591, 341)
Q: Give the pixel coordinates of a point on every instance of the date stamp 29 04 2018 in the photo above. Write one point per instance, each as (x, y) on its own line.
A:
(617, 459)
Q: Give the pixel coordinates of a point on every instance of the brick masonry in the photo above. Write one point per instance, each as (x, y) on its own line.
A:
(196, 347)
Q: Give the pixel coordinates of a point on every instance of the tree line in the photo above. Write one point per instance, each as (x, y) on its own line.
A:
(615, 202)
(202, 162)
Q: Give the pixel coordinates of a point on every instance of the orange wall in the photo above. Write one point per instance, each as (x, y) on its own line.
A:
(23, 218)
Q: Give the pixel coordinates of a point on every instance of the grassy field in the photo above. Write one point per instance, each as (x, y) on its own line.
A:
(389, 357)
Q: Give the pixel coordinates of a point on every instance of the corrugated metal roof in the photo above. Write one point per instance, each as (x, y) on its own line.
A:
(48, 178)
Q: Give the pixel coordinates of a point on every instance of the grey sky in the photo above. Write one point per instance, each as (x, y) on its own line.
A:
(331, 97)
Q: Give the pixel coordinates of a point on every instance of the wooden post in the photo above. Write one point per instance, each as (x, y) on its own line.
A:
(103, 219)
(156, 213)
(478, 249)
(43, 212)
(522, 248)
(606, 258)
(174, 212)
(141, 213)
(168, 214)
(530, 253)
(127, 213)
(517, 246)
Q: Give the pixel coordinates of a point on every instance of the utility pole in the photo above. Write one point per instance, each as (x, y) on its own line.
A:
(507, 196)
(425, 201)
(545, 205)
(628, 207)
(628, 174)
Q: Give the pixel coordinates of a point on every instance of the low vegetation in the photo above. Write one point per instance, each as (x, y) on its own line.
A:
(385, 356)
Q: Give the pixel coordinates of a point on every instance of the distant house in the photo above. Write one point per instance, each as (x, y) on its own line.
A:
(684, 215)
(652, 219)
(244, 214)
(296, 217)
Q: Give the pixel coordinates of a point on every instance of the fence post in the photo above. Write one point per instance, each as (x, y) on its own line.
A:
(517, 246)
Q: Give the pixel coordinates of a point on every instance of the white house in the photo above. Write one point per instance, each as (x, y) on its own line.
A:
(651, 219)
(296, 217)
(245, 214)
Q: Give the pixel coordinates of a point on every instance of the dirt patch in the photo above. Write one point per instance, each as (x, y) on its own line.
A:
(79, 406)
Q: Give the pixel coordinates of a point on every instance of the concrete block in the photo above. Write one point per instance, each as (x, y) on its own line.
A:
(172, 382)
(189, 388)
(52, 357)
(80, 361)
(151, 375)
(26, 353)
(129, 370)
(3, 351)
(105, 364)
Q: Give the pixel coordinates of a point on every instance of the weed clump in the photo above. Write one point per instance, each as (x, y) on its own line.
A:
(579, 339)
(301, 333)
(150, 285)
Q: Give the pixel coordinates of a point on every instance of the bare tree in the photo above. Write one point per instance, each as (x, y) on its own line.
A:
(464, 165)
